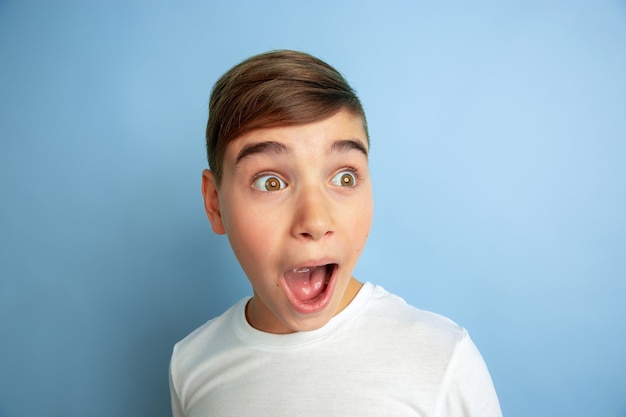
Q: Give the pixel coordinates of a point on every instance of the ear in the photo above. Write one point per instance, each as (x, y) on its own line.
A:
(212, 202)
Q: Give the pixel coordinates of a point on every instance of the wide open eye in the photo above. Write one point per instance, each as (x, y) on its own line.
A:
(344, 179)
(268, 183)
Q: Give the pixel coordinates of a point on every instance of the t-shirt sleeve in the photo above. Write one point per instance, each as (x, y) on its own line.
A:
(467, 389)
(177, 410)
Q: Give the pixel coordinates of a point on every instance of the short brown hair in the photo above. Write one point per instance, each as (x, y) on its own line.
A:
(277, 88)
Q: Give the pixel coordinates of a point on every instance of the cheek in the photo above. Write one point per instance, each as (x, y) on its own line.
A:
(364, 215)
(251, 234)
(368, 216)
(359, 223)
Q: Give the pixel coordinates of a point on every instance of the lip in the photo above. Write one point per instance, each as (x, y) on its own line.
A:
(319, 303)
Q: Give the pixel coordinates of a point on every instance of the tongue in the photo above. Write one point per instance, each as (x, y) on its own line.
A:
(306, 283)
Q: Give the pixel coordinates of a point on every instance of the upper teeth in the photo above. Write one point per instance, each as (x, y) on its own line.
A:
(301, 270)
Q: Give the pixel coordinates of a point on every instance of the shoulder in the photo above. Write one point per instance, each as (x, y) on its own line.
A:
(215, 334)
(394, 318)
(441, 350)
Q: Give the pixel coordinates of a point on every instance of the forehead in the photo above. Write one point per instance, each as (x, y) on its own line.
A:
(333, 134)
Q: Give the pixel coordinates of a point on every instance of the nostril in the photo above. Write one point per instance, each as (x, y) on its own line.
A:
(315, 236)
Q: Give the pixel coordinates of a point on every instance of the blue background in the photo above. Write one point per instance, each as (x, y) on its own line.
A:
(498, 153)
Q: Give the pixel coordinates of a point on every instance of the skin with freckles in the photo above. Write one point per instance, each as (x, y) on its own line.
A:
(291, 198)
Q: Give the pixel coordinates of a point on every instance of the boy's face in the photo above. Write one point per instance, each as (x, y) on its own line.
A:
(296, 203)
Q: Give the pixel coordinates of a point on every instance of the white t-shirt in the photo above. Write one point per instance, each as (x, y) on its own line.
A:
(377, 357)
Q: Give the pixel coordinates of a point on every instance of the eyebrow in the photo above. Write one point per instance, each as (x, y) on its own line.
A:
(277, 148)
(270, 147)
(346, 145)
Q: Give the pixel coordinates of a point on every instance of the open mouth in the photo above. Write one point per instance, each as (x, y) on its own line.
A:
(309, 286)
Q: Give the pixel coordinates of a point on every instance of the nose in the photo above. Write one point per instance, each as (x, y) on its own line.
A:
(313, 216)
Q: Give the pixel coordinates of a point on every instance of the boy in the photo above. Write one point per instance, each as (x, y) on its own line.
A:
(289, 185)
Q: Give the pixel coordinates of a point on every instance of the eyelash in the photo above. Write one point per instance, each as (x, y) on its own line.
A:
(269, 175)
(352, 171)
(283, 184)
